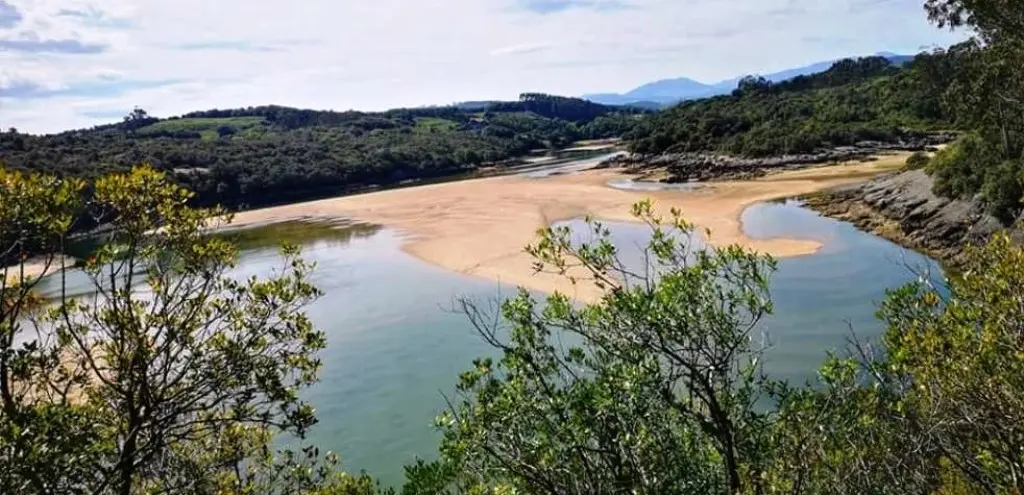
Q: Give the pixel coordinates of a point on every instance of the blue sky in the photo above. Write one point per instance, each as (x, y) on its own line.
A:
(75, 63)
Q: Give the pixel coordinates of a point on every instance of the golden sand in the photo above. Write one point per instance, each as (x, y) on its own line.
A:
(35, 267)
(480, 227)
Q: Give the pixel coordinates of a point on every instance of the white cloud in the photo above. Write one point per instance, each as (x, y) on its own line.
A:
(385, 53)
(520, 49)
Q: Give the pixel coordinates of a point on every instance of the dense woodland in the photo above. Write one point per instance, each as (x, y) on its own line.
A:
(856, 100)
(974, 87)
(269, 154)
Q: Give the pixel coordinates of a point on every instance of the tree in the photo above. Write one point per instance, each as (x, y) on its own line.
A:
(752, 85)
(994, 21)
(854, 100)
(174, 376)
(136, 119)
(652, 389)
(290, 154)
(987, 94)
(225, 130)
(938, 407)
(136, 114)
(39, 443)
(962, 354)
(655, 388)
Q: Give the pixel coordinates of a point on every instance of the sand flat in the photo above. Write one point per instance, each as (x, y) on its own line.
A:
(35, 267)
(480, 227)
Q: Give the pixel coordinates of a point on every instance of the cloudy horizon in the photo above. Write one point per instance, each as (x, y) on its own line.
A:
(75, 63)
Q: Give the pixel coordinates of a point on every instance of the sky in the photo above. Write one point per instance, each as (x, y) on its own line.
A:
(68, 64)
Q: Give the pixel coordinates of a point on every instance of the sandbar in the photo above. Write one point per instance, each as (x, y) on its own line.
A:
(35, 267)
(480, 227)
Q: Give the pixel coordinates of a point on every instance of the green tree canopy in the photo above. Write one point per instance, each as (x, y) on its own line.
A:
(174, 376)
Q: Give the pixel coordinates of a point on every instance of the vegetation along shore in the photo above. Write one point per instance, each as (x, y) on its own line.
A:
(173, 361)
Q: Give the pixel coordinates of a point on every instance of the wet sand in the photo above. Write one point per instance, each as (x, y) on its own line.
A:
(480, 227)
(35, 267)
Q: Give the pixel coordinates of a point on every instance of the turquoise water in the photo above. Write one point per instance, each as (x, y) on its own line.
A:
(820, 299)
(394, 341)
(395, 344)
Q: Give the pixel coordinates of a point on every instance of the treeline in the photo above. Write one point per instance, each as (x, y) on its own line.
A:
(267, 154)
(976, 87)
(855, 100)
(574, 109)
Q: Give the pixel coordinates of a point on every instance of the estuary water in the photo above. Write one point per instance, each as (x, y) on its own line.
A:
(395, 345)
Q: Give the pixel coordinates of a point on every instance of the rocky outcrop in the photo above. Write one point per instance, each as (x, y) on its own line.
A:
(903, 208)
(687, 167)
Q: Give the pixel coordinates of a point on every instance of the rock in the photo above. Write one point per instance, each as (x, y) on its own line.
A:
(710, 166)
(903, 208)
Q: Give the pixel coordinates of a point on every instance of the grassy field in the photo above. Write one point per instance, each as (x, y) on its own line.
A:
(433, 124)
(205, 127)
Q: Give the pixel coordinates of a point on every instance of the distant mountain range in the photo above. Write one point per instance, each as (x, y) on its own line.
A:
(666, 92)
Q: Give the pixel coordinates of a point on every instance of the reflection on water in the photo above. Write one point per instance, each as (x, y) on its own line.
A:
(581, 160)
(394, 345)
(248, 240)
(300, 232)
(640, 185)
(818, 298)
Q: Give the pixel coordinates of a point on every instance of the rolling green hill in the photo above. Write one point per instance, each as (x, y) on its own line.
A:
(261, 155)
(207, 128)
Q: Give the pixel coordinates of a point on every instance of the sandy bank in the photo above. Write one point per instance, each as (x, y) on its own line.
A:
(479, 227)
(35, 267)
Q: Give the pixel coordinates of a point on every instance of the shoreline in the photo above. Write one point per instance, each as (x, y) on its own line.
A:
(903, 209)
(37, 266)
(479, 227)
(870, 220)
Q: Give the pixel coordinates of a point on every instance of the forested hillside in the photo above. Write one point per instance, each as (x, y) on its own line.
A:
(266, 154)
(974, 88)
(855, 100)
